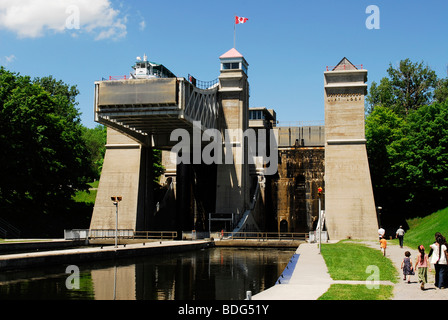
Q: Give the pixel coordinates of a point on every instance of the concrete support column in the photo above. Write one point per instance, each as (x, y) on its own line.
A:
(127, 172)
(233, 184)
(349, 203)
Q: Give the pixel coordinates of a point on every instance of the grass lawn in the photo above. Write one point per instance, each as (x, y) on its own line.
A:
(89, 196)
(422, 230)
(357, 292)
(350, 261)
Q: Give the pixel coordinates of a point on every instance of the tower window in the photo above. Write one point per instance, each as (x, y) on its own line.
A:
(230, 65)
(256, 115)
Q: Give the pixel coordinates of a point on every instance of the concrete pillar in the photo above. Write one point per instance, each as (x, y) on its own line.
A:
(232, 195)
(124, 174)
(349, 203)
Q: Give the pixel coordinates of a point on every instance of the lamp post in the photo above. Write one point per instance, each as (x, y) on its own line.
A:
(379, 215)
(319, 192)
(116, 200)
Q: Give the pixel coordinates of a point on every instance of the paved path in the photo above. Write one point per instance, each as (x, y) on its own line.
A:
(412, 291)
(311, 279)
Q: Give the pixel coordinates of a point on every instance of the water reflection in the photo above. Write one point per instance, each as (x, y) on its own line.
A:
(212, 274)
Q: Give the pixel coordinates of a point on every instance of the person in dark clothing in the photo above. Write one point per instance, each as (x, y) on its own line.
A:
(400, 235)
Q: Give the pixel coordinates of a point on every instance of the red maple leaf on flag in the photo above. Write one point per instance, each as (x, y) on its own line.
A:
(239, 20)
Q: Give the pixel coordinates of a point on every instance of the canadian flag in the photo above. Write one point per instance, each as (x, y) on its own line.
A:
(239, 20)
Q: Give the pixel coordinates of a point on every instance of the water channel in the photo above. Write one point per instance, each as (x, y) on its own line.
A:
(211, 274)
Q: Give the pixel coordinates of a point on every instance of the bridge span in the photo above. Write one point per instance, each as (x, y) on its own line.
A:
(148, 110)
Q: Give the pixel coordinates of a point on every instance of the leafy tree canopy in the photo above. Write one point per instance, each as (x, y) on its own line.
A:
(408, 87)
(441, 91)
(419, 155)
(407, 139)
(43, 154)
(95, 140)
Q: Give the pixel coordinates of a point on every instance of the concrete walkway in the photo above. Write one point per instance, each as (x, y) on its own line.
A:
(412, 291)
(311, 279)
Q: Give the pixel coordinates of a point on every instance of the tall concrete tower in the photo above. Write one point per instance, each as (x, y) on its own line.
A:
(349, 203)
(232, 195)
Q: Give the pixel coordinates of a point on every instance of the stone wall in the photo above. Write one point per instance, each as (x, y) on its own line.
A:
(294, 190)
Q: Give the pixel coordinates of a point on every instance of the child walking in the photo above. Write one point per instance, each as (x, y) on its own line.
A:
(422, 266)
(406, 265)
(383, 245)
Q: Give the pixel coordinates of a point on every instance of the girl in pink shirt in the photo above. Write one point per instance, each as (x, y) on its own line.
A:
(422, 266)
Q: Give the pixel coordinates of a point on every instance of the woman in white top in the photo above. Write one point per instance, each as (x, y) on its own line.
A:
(438, 258)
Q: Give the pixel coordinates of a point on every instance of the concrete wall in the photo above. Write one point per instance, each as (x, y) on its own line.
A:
(295, 197)
(350, 207)
(349, 203)
(310, 136)
(121, 176)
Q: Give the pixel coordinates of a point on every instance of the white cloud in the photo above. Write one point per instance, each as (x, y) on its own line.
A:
(35, 18)
(142, 23)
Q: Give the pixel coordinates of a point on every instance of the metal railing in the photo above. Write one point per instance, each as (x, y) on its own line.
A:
(304, 123)
(202, 84)
(263, 236)
(160, 235)
(76, 234)
(96, 234)
(343, 67)
(116, 78)
(110, 233)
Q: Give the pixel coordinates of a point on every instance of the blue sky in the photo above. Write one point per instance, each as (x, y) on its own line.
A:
(287, 43)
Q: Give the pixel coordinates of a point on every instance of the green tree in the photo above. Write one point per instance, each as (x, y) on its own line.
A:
(63, 93)
(406, 132)
(408, 157)
(95, 140)
(441, 91)
(380, 95)
(409, 86)
(43, 154)
(420, 157)
(157, 166)
(383, 127)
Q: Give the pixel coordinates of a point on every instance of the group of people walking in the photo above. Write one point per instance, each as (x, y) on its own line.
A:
(437, 256)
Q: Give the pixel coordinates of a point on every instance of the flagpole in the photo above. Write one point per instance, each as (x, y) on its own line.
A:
(234, 33)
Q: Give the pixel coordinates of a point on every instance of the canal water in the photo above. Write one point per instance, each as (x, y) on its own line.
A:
(210, 274)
